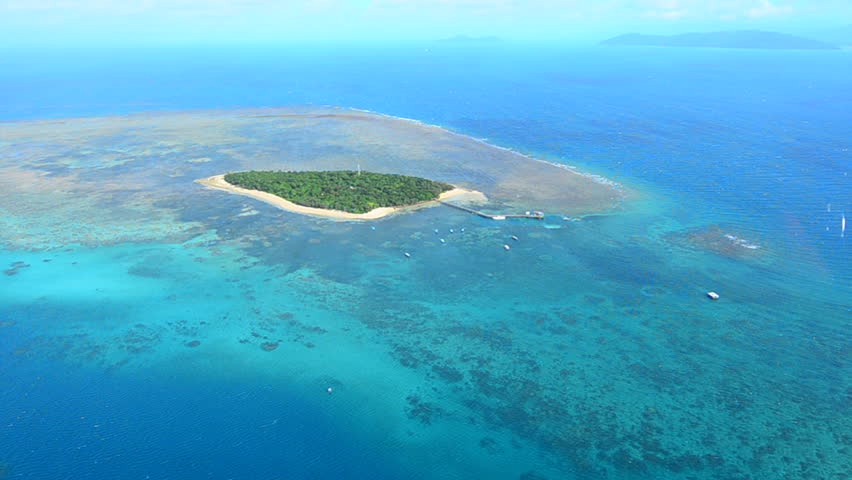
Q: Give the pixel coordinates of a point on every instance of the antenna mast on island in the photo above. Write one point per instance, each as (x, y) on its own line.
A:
(359, 169)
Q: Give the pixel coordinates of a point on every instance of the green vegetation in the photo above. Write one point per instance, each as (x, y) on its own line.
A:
(342, 190)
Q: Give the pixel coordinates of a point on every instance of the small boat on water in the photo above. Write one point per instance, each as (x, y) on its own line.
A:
(443, 241)
(713, 295)
(506, 247)
(515, 238)
(407, 255)
(843, 226)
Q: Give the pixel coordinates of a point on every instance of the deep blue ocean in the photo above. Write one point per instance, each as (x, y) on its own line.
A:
(723, 149)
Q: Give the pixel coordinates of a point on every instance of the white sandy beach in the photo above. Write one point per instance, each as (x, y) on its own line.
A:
(218, 182)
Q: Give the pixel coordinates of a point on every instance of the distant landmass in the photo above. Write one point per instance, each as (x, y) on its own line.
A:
(469, 39)
(841, 36)
(732, 39)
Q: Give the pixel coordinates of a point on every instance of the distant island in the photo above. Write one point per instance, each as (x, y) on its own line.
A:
(342, 194)
(732, 39)
(840, 36)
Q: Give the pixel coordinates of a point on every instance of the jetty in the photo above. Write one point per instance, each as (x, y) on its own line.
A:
(530, 215)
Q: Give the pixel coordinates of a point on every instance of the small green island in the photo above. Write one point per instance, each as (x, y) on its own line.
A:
(342, 190)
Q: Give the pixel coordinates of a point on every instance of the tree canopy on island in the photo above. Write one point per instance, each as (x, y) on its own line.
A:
(344, 190)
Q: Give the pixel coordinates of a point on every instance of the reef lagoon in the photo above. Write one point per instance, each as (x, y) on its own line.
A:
(153, 328)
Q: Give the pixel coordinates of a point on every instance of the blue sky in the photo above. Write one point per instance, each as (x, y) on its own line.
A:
(117, 22)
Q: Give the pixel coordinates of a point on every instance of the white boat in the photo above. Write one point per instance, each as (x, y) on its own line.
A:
(515, 238)
(507, 247)
(407, 255)
(843, 226)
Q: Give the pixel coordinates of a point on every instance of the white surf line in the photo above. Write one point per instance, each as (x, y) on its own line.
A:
(571, 168)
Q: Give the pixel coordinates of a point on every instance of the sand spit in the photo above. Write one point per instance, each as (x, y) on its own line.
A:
(218, 182)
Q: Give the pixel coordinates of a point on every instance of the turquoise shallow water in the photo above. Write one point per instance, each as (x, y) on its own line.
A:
(587, 351)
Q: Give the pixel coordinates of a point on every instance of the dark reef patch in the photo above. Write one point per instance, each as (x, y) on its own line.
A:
(193, 343)
(413, 356)
(140, 339)
(269, 346)
(719, 239)
(145, 270)
(531, 476)
(488, 444)
(75, 348)
(15, 267)
(422, 411)
(184, 328)
(447, 373)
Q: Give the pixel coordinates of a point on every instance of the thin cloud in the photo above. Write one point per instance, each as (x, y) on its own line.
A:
(667, 14)
(720, 9)
(662, 9)
(768, 9)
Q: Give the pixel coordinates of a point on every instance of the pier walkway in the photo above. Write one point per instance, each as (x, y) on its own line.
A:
(531, 215)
